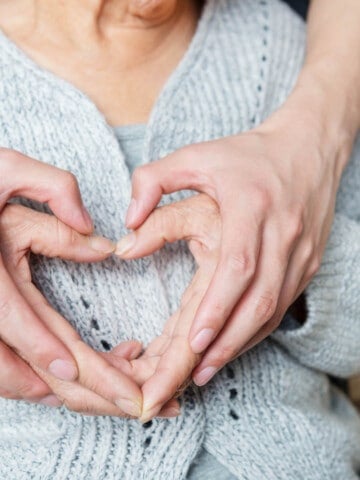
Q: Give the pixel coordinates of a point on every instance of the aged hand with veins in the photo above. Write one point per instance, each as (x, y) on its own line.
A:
(166, 366)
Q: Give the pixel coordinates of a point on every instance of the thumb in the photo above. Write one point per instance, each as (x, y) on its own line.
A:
(189, 219)
(177, 171)
(162, 226)
(24, 229)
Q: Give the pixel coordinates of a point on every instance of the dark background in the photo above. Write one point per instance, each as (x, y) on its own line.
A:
(300, 6)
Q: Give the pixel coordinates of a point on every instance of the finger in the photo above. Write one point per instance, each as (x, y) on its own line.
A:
(149, 182)
(294, 284)
(194, 218)
(253, 312)
(38, 345)
(128, 350)
(24, 229)
(145, 367)
(79, 399)
(170, 409)
(234, 273)
(175, 364)
(95, 373)
(18, 379)
(26, 177)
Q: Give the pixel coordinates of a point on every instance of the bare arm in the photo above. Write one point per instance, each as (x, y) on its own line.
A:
(328, 88)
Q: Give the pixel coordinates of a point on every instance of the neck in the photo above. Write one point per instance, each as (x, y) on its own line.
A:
(110, 49)
(141, 27)
(111, 17)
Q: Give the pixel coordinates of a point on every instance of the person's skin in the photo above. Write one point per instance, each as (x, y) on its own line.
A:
(90, 37)
(168, 360)
(288, 170)
(320, 125)
(106, 48)
(99, 387)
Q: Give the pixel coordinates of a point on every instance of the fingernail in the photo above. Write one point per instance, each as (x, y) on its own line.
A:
(125, 244)
(202, 340)
(131, 213)
(129, 407)
(171, 412)
(63, 370)
(204, 376)
(147, 416)
(51, 401)
(101, 244)
(149, 411)
(87, 218)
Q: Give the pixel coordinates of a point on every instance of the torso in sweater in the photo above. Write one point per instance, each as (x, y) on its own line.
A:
(270, 414)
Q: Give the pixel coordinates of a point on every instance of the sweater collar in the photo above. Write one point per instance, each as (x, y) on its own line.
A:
(11, 54)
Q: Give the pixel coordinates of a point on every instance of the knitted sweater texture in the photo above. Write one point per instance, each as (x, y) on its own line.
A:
(271, 414)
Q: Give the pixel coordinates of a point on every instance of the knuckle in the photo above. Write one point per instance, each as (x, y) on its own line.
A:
(32, 390)
(224, 354)
(5, 308)
(265, 308)
(37, 354)
(65, 234)
(314, 266)
(242, 264)
(295, 228)
(140, 174)
(67, 181)
(62, 235)
(261, 198)
(165, 217)
(202, 212)
(308, 250)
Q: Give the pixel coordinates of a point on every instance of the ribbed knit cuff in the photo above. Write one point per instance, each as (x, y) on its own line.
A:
(329, 340)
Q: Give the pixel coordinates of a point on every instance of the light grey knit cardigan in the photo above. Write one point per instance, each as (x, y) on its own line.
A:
(272, 414)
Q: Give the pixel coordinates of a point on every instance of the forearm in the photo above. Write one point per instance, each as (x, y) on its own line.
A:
(333, 59)
(326, 97)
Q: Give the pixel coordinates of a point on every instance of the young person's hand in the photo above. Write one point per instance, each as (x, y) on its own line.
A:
(32, 179)
(276, 213)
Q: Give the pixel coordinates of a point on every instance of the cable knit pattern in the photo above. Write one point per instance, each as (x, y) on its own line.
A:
(272, 414)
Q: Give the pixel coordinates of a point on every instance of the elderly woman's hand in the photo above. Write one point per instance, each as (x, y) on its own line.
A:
(28, 335)
(166, 366)
(276, 190)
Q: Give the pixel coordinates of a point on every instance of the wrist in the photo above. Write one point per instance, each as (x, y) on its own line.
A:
(333, 104)
(320, 116)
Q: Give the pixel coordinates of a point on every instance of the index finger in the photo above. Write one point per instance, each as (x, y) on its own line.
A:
(30, 178)
(239, 252)
(175, 365)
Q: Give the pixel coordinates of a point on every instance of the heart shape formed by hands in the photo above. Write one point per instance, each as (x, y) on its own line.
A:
(165, 366)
